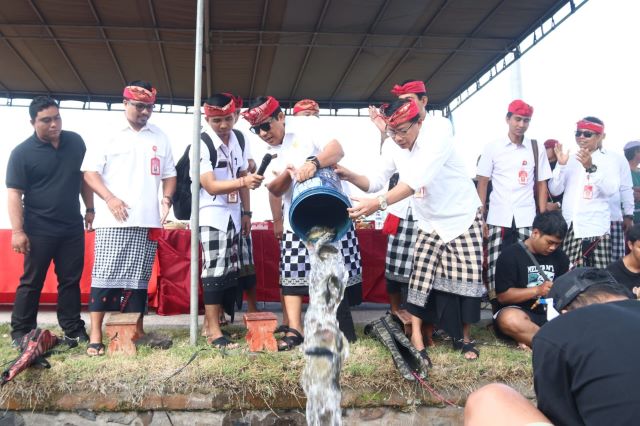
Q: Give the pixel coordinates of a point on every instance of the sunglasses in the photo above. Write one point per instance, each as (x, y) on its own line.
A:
(393, 132)
(587, 134)
(266, 126)
(142, 106)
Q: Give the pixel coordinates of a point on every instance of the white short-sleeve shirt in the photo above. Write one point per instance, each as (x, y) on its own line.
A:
(510, 167)
(303, 138)
(215, 210)
(124, 161)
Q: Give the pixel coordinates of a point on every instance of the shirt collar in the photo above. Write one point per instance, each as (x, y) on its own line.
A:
(526, 142)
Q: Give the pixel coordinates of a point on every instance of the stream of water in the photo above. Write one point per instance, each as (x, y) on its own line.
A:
(325, 347)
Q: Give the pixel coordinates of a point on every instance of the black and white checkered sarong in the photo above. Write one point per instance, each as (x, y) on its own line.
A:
(245, 252)
(494, 248)
(295, 265)
(617, 240)
(123, 258)
(219, 257)
(597, 250)
(399, 262)
(454, 267)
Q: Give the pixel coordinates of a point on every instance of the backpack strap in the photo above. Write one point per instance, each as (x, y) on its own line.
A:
(535, 261)
(213, 154)
(240, 138)
(534, 148)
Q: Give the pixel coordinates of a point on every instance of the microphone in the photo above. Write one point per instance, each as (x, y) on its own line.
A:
(265, 163)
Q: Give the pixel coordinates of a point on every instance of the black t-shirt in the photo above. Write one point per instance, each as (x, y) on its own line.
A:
(514, 269)
(585, 365)
(623, 275)
(50, 179)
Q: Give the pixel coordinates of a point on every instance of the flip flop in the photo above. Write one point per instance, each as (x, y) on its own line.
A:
(281, 329)
(97, 347)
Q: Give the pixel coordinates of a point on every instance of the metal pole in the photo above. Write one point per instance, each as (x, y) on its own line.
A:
(195, 173)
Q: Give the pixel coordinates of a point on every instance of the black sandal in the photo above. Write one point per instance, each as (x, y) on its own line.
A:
(470, 347)
(98, 347)
(290, 342)
(281, 329)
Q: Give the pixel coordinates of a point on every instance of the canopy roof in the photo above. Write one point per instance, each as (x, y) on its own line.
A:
(342, 53)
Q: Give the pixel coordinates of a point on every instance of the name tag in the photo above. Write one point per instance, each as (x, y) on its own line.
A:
(587, 192)
(155, 166)
(232, 197)
(419, 193)
(523, 176)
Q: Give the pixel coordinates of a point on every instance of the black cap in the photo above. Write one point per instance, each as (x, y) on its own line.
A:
(568, 286)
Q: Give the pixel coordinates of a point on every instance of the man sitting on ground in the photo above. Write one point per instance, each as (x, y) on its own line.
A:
(520, 282)
(583, 373)
(627, 269)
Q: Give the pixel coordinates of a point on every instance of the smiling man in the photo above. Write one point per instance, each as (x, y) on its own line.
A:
(510, 165)
(588, 179)
(126, 171)
(302, 148)
(446, 280)
(520, 281)
(43, 182)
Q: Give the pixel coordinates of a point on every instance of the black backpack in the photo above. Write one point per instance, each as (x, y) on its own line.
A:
(182, 197)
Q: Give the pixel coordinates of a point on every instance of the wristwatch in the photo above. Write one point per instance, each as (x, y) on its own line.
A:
(247, 213)
(313, 159)
(90, 210)
(591, 169)
(383, 202)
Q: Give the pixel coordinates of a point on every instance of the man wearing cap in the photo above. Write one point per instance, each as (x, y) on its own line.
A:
(632, 154)
(512, 164)
(126, 171)
(224, 192)
(588, 179)
(525, 271)
(302, 149)
(306, 108)
(446, 281)
(585, 367)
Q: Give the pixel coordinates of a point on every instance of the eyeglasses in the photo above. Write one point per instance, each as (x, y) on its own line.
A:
(266, 126)
(393, 132)
(587, 134)
(142, 106)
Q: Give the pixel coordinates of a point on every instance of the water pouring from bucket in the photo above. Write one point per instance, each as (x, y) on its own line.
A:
(318, 215)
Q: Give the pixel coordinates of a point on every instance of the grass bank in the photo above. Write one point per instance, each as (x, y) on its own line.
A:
(237, 378)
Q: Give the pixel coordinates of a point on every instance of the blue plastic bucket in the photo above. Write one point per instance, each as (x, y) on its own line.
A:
(319, 202)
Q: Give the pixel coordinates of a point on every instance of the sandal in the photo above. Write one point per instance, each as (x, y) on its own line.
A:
(470, 347)
(282, 328)
(222, 342)
(97, 347)
(290, 342)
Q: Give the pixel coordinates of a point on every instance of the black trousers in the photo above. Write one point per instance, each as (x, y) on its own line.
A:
(67, 254)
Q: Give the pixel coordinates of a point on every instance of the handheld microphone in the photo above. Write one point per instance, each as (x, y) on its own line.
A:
(265, 163)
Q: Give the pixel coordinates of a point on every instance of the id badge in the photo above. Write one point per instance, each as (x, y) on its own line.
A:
(155, 166)
(419, 193)
(587, 193)
(232, 197)
(522, 177)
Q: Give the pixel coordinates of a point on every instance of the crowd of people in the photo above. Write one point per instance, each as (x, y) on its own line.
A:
(535, 214)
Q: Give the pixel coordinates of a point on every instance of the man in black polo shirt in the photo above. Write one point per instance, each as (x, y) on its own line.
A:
(43, 181)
